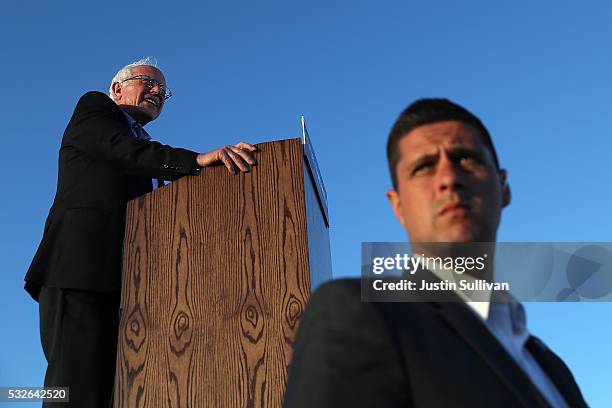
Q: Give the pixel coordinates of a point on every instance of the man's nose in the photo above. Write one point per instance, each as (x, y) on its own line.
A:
(155, 89)
(448, 174)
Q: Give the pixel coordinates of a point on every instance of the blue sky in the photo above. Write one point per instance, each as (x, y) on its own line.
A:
(538, 75)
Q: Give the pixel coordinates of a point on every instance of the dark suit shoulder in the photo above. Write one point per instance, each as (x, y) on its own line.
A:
(96, 100)
(98, 96)
(344, 354)
(336, 305)
(339, 304)
(330, 290)
(339, 290)
(337, 308)
(347, 293)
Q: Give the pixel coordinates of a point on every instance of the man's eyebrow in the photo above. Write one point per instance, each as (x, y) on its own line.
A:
(462, 149)
(420, 158)
(455, 150)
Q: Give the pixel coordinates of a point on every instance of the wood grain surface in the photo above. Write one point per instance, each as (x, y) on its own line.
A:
(215, 279)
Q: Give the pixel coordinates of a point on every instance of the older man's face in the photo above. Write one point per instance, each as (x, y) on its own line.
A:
(143, 103)
(448, 187)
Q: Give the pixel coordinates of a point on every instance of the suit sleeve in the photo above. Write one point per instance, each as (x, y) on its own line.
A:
(98, 129)
(344, 355)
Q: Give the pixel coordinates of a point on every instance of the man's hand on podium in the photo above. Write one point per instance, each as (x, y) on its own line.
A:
(237, 157)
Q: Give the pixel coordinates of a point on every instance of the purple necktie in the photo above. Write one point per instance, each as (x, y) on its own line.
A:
(139, 132)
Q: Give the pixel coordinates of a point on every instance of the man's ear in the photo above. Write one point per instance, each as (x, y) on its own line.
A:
(396, 205)
(506, 192)
(116, 87)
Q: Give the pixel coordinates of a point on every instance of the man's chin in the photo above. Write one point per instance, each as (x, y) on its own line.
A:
(149, 111)
(459, 234)
(144, 115)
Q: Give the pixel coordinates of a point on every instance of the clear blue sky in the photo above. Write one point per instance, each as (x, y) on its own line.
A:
(537, 73)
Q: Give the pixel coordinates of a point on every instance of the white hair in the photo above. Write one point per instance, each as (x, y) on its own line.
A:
(126, 72)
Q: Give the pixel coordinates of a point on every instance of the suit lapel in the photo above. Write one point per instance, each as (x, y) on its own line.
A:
(557, 371)
(472, 330)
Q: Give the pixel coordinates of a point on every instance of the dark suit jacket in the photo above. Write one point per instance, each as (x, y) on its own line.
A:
(101, 166)
(412, 354)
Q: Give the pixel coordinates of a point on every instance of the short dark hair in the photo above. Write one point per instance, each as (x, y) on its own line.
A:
(425, 112)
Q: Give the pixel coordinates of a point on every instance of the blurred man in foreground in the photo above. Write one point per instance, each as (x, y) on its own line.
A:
(106, 158)
(448, 188)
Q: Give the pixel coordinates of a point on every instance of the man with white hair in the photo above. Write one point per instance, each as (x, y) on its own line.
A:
(106, 158)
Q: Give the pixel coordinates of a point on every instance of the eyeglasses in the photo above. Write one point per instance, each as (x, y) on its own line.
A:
(150, 83)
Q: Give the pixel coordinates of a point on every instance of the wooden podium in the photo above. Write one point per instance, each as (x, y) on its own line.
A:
(217, 270)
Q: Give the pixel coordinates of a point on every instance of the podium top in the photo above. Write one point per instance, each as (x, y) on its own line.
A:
(313, 167)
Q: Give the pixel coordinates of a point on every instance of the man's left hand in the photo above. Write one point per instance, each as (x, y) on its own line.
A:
(235, 158)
